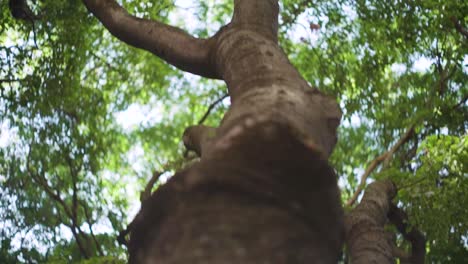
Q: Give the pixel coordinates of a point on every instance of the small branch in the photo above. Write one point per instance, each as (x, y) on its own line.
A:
(364, 177)
(23, 237)
(121, 238)
(211, 107)
(146, 193)
(459, 27)
(78, 240)
(9, 80)
(56, 197)
(40, 180)
(110, 66)
(411, 184)
(21, 10)
(74, 180)
(149, 186)
(401, 254)
(385, 157)
(405, 138)
(197, 138)
(462, 102)
(88, 221)
(399, 218)
(70, 114)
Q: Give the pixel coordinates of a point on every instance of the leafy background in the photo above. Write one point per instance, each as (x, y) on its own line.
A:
(87, 120)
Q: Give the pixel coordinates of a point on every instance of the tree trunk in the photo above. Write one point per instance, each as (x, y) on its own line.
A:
(263, 191)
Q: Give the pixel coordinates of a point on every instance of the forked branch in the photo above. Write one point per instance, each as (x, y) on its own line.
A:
(168, 43)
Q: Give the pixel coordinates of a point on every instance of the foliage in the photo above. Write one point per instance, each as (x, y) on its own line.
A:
(73, 159)
(439, 189)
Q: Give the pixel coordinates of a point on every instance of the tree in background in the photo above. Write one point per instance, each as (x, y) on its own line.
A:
(262, 189)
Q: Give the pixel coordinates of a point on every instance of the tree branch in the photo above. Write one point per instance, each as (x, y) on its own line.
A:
(168, 43)
(366, 238)
(56, 197)
(197, 138)
(459, 27)
(42, 181)
(399, 218)
(211, 107)
(155, 177)
(385, 157)
(462, 102)
(90, 225)
(74, 180)
(110, 66)
(149, 186)
(9, 80)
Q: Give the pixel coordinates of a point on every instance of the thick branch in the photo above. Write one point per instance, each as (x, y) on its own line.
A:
(385, 157)
(169, 43)
(366, 238)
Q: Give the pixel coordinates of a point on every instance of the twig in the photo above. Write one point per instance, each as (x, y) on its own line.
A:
(385, 157)
(211, 107)
(9, 80)
(207, 113)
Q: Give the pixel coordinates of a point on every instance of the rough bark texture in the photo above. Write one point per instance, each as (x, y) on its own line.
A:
(366, 238)
(169, 43)
(241, 206)
(263, 191)
(198, 138)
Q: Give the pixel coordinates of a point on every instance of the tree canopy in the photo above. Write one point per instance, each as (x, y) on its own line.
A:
(89, 123)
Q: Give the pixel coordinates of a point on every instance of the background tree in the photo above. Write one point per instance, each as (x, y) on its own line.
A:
(66, 179)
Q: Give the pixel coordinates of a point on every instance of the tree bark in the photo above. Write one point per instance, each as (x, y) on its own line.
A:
(366, 239)
(169, 43)
(263, 191)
